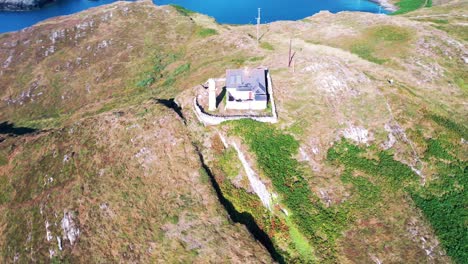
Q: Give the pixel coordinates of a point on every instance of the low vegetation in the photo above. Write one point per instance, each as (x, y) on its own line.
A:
(405, 6)
(182, 10)
(267, 46)
(379, 43)
(274, 151)
(383, 164)
(443, 200)
(205, 32)
(364, 51)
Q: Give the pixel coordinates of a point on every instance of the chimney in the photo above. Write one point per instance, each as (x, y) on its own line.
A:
(211, 95)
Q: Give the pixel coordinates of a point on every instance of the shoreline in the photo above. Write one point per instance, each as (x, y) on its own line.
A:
(386, 4)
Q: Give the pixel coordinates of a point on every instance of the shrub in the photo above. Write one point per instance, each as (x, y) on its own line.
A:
(274, 151)
(148, 81)
(351, 156)
(181, 69)
(444, 202)
(461, 130)
(435, 149)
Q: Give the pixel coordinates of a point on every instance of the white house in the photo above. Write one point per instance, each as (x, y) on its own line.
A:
(246, 89)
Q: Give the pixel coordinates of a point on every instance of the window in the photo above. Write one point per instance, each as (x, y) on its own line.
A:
(238, 79)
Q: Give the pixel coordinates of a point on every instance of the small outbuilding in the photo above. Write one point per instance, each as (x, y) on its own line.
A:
(246, 89)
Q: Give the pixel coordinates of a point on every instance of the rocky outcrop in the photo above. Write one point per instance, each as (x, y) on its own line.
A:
(22, 5)
(386, 4)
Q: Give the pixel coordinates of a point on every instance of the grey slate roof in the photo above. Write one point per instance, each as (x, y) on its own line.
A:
(247, 80)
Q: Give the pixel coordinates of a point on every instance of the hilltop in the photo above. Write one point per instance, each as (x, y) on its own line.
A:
(367, 163)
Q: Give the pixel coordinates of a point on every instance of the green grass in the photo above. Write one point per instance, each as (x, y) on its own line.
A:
(390, 34)
(440, 21)
(297, 247)
(172, 77)
(158, 71)
(450, 125)
(368, 194)
(365, 51)
(300, 242)
(383, 165)
(182, 10)
(3, 157)
(274, 151)
(267, 46)
(380, 41)
(437, 150)
(159, 63)
(406, 6)
(181, 69)
(148, 81)
(5, 190)
(460, 82)
(443, 200)
(206, 32)
(254, 59)
(228, 164)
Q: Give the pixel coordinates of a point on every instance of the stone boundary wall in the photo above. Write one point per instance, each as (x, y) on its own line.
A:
(209, 119)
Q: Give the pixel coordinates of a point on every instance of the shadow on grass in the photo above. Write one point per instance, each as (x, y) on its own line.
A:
(9, 128)
(171, 104)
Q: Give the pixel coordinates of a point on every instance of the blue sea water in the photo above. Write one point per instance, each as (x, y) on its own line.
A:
(224, 11)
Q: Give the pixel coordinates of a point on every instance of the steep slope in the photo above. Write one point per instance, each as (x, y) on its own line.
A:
(103, 55)
(395, 90)
(122, 186)
(368, 158)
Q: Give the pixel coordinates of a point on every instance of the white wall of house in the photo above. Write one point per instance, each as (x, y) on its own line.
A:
(258, 105)
(242, 95)
(246, 105)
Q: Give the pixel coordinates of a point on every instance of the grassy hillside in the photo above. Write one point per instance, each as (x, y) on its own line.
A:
(117, 175)
(405, 6)
(367, 161)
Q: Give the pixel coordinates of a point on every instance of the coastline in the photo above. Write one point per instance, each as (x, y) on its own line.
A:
(22, 5)
(386, 4)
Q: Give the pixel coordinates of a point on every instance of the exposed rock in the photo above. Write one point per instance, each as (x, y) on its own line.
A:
(334, 77)
(48, 233)
(70, 228)
(391, 137)
(257, 185)
(21, 5)
(386, 4)
(7, 62)
(59, 243)
(421, 235)
(357, 134)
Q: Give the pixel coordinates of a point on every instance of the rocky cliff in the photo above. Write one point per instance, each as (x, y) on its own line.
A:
(22, 5)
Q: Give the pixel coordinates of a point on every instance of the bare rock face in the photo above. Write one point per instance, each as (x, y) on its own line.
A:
(70, 229)
(21, 5)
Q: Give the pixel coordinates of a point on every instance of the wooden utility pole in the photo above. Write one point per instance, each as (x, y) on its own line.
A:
(291, 54)
(258, 27)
